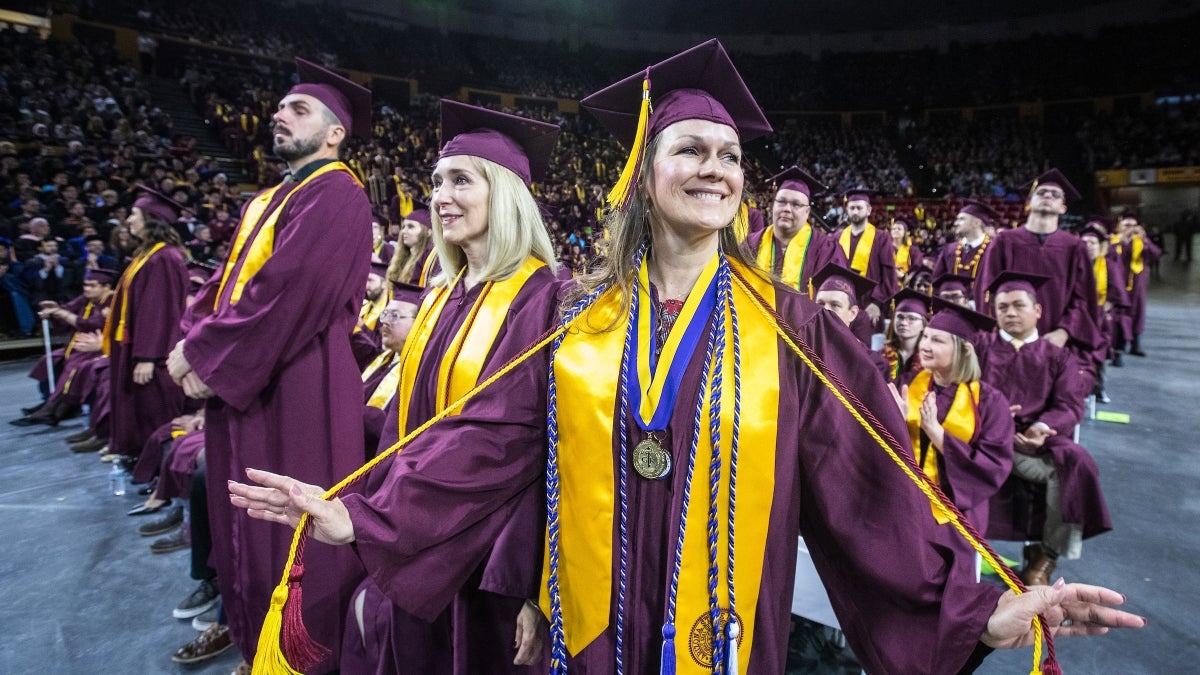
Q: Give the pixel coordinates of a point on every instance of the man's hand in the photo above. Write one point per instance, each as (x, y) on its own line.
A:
(177, 365)
(1057, 337)
(142, 372)
(194, 387)
(873, 312)
(1033, 438)
(89, 342)
(532, 631)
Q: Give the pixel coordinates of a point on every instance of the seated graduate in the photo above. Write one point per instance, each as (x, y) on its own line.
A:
(1040, 380)
(381, 376)
(910, 314)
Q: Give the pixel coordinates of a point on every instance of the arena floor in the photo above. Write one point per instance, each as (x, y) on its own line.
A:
(82, 593)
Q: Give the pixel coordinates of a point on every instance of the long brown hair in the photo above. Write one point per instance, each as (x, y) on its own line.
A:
(628, 231)
(156, 230)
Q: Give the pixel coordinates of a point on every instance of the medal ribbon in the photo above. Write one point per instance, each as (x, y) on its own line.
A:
(654, 396)
(793, 258)
(861, 256)
(959, 423)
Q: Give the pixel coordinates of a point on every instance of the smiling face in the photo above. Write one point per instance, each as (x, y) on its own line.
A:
(937, 350)
(460, 200)
(695, 187)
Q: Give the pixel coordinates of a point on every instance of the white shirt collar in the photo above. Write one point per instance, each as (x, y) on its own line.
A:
(975, 243)
(1033, 337)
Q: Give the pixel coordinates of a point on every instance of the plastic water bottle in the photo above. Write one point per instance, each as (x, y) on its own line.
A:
(116, 479)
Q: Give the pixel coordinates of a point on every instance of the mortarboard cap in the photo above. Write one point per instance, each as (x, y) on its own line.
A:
(406, 292)
(153, 202)
(1056, 177)
(973, 207)
(349, 101)
(908, 300)
(957, 320)
(795, 178)
(1016, 281)
(419, 215)
(519, 144)
(379, 268)
(907, 221)
(952, 282)
(101, 275)
(699, 83)
(1094, 229)
(834, 277)
(860, 194)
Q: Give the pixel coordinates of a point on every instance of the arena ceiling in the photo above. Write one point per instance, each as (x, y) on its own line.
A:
(795, 17)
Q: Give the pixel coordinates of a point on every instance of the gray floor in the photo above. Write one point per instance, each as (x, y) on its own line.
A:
(82, 594)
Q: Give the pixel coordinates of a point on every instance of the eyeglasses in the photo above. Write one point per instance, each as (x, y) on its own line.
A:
(905, 317)
(393, 315)
(789, 203)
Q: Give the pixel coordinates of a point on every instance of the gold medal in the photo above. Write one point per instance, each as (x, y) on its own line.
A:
(651, 460)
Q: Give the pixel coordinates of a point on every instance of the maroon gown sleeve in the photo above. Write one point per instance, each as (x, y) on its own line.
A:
(238, 351)
(887, 283)
(975, 470)
(161, 294)
(1062, 411)
(903, 591)
(448, 498)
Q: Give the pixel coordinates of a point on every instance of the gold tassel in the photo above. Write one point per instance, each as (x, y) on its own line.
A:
(268, 657)
(621, 193)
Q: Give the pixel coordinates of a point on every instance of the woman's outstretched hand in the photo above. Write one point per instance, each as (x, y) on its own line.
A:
(1069, 609)
(281, 499)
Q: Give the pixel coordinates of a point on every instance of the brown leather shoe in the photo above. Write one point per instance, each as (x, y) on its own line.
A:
(207, 645)
(90, 445)
(85, 435)
(1039, 565)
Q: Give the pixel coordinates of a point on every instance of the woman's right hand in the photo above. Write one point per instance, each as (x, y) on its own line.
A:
(901, 397)
(281, 499)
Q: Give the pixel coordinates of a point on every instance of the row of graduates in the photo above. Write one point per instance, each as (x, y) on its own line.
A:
(494, 508)
(451, 565)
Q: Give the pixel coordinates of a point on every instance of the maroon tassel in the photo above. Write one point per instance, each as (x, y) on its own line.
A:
(300, 650)
(1050, 667)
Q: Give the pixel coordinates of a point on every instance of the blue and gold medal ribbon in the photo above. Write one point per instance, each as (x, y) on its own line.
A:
(654, 396)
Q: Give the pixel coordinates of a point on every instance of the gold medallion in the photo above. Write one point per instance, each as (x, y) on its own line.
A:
(651, 460)
(700, 639)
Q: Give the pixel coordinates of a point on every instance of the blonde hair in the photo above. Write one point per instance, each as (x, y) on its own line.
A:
(628, 231)
(515, 230)
(965, 366)
(401, 267)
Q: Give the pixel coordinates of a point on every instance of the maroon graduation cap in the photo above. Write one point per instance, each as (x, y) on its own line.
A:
(834, 277)
(349, 101)
(518, 144)
(957, 320)
(1056, 177)
(795, 178)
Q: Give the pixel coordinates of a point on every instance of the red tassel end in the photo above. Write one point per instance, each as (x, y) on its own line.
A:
(1050, 667)
(298, 647)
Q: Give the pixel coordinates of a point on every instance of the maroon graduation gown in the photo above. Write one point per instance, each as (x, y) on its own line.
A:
(39, 371)
(157, 297)
(287, 398)
(1042, 379)
(822, 249)
(374, 418)
(904, 594)
(497, 562)
(1141, 282)
(881, 266)
(972, 471)
(1068, 299)
(946, 264)
(1113, 318)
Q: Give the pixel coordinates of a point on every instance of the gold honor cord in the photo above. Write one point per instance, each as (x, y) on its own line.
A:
(931, 492)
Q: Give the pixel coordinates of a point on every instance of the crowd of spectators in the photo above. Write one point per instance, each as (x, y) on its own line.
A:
(978, 158)
(1162, 135)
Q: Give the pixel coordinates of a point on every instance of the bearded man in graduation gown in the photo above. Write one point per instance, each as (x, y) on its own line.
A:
(267, 341)
(1070, 314)
(868, 252)
(1038, 378)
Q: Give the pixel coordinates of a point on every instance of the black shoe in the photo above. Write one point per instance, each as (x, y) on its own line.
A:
(32, 409)
(1137, 351)
(205, 596)
(81, 436)
(33, 420)
(171, 520)
(175, 542)
(1117, 361)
